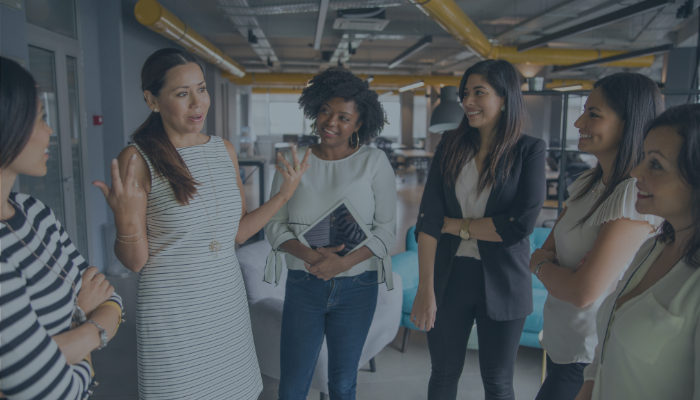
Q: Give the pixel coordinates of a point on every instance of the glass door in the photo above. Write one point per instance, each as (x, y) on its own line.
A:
(54, 61)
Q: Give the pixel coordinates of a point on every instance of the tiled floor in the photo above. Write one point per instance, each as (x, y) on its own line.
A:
(399, 375)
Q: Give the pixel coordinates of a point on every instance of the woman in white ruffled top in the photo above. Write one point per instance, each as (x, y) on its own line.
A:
(599, 231)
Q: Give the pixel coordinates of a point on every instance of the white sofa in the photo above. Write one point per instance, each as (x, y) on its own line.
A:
(266, 302)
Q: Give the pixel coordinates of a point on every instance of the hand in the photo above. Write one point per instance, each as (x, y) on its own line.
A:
(331, 264)
(292, 177)
(94, 291)
(424, 309)
(452, 226)
(124, 198)
(541, 255)
(586, 391)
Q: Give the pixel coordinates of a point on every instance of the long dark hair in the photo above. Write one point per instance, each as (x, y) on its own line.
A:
(636, 100)
(463, 143)
(18, 108)
(685, 119)
(151, 136)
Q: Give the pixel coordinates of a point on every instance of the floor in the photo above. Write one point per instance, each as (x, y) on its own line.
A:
(399, 375)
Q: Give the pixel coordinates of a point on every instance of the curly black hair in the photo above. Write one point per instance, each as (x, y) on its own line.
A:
(340, 82)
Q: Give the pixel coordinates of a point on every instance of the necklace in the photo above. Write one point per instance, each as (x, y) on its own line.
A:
(214, 245)
(598, 189)
(78, 312)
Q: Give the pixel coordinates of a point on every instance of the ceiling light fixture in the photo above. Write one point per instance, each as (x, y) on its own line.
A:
(385, 95)
(420, 45)
(568, 88)
(369, 79)
(411, 86)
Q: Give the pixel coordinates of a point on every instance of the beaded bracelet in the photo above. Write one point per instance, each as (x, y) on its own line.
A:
(121, 241)
(125, 236)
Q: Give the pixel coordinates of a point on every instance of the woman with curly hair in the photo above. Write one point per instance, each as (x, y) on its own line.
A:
(328, 294)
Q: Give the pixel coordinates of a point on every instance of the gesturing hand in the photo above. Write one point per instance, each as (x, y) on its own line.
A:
(292, 175)
(124, 198)
(331, 264)
(94, 290)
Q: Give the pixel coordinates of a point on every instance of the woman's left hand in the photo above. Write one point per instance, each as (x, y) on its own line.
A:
(331, 265)
(541, 255)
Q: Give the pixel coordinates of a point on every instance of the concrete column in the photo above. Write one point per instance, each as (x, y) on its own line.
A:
(432, 139)
(406, 99)
(679, 75)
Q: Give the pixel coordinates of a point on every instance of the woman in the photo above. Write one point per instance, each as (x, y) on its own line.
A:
(649, 327)
(55, 309)
(598, 232)
(177, 213)
(328, 294)
(483, 195)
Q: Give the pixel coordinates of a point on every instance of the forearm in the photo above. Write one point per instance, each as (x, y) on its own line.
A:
(132, 255)
(427, 247)
(586, 392)
(77, 343)
(480, 229)
(562, 283)
(356, 257)
(253, 221)
(298, 250)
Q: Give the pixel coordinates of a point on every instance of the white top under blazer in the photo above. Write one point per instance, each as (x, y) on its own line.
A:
(473, 204)
(649, 348)
(570, 332)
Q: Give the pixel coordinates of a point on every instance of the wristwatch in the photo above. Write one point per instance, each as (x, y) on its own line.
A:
(538, 267)
(464, 232)
(103, 334)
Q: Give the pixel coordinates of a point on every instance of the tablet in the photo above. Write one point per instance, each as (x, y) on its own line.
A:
(339, 225)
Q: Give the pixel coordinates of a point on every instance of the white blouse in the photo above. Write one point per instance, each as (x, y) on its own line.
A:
(570, 332)
(649, 348)
(473, 204)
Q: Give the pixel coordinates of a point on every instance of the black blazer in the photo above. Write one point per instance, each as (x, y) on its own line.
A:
(514, 206)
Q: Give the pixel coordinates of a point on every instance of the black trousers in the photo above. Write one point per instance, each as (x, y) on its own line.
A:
(464, 302)
(563, 381)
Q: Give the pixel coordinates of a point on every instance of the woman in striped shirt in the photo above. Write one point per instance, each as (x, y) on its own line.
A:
(55, 309)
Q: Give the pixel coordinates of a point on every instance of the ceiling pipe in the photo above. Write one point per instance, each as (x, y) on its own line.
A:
(453, 20)
(653, 50)
(379, 81)
(157, 18)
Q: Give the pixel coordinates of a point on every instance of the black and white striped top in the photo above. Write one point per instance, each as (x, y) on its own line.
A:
(36, 304)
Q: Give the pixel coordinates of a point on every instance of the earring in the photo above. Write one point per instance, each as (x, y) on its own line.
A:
(503, 107)
(155, 110)
(313, 129)
(357, 141)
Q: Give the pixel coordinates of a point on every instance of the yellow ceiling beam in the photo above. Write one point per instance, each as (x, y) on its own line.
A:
(157, 18)
(379, 82)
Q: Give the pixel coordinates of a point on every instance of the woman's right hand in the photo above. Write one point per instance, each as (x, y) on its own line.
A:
(292, 176)
(424, 308)
(94, 291)
(124, 198)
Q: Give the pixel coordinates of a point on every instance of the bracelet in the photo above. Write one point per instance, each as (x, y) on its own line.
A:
(104, 339)
(121, 241)
(538, 267)
(135, 234)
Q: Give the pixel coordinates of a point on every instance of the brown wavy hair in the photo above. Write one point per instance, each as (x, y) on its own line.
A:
(463, 143)
(151, 137)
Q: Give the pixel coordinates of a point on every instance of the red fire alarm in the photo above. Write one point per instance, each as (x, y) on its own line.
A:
(97, 120)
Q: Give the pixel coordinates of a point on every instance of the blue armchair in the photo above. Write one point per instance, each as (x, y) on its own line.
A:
(406, 265)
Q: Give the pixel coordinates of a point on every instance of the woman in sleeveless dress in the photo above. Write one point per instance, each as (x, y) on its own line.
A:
(176, 226)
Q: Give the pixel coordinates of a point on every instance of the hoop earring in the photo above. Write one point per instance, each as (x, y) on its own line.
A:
(503, 107)
(314, 131)
(357, 141)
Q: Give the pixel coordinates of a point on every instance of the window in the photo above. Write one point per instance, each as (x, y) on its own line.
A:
(54, 15)
(286, 118)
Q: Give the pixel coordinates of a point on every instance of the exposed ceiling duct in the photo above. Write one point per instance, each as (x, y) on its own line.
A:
(453, 20)
(153, 15)
(249, 27)
(295, 8)
(288, 80)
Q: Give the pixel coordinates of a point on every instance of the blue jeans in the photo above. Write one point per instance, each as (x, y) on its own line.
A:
(563, 381)
(341, 309)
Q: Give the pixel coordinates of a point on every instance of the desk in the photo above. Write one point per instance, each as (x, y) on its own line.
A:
(423, 157)
(260, 162)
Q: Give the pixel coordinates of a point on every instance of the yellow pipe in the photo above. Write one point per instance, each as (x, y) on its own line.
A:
(453, 20)
(557, 83)
(300, 80)
(154, 16)
(278, 90)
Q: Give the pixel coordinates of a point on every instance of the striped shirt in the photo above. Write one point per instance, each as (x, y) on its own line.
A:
(36, 304)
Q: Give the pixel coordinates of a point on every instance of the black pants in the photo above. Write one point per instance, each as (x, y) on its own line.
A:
(463, 302)
(563, 381)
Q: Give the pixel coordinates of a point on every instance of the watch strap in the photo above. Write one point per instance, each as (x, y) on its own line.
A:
(464, 231)
(538, 267)
(103, 334)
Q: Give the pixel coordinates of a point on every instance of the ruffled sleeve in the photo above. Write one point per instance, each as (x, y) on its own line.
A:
(621, 204)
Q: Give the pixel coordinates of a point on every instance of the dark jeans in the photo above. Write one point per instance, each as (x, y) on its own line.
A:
(563, 381)
(464, 301)
(341, 309)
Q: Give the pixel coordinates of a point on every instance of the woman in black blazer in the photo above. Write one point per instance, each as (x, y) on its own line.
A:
(483, 195)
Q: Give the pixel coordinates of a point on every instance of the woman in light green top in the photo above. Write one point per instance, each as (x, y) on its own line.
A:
(649, 327)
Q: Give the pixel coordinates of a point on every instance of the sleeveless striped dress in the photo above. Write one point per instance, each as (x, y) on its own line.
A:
(192, 320)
